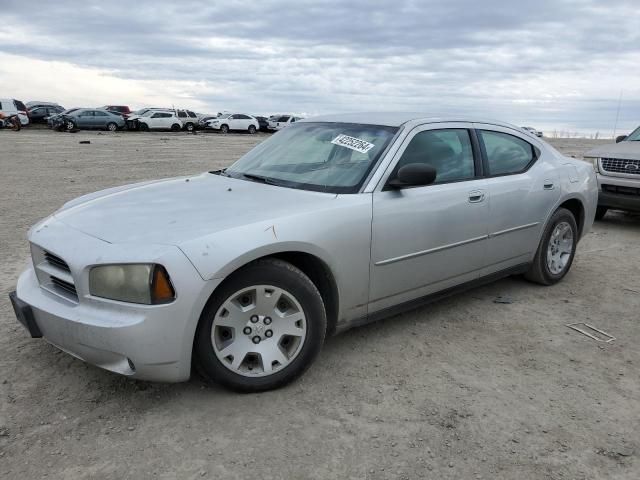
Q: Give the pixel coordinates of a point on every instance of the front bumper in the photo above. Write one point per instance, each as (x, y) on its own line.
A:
(619, 193)
(148, 342)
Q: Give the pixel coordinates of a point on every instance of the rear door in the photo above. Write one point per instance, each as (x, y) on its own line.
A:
(522, 188)
(429, 238)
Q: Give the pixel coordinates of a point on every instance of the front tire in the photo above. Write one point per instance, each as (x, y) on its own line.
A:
(224, 129)
(261, 329)
(143, 127)
(601, 212)
(556, 250)
(175, 127)
(112, 127)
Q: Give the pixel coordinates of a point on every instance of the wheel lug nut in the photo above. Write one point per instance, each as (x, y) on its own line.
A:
(256, 339)
(268, 333)
(267, 320)
(247, 330)
(254, 318)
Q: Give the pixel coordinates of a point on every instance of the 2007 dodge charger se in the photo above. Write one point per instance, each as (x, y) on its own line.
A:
(333, 222)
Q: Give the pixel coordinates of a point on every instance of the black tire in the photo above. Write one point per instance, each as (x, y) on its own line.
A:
(224, 129)
(274, 272)
(189, 127)
(252, 129)
(143, 127)
(112, 127)
(539, 271)
(175, 127)
(69, 125)
(601, 212)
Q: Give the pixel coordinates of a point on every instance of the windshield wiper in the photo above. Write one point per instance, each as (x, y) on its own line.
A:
(260, 178)
(222, 172)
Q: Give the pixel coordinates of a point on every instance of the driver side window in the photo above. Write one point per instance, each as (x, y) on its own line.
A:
(449, 151)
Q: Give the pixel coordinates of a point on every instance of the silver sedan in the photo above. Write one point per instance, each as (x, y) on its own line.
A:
(331, 223)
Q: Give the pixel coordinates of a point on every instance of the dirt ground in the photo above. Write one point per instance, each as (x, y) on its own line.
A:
(463, 389)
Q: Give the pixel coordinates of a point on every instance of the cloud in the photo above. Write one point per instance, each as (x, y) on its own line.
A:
(550, 63)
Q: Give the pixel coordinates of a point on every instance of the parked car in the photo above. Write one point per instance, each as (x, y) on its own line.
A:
(263, 123)
(533, 131)
(188, 118)
(41, 114)
(617, 167)
(234, 122)
(122, 110)
(202, 121)
(11, 106)
(278, 123)
(90, 118)
(55, 121)
(155, 120)
(332, 223)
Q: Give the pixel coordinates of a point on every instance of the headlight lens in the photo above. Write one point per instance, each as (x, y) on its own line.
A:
(594, 162)
(135, 283)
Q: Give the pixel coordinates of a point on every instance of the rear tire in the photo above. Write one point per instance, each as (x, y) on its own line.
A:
(556, 250)
(189, 127)
(260, 358)
(601, 212)
(252, 129)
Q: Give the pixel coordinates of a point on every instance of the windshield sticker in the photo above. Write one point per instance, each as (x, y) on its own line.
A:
(353, 143)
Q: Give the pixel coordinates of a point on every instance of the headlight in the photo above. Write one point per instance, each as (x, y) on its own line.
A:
(135, 283)
(594, 161)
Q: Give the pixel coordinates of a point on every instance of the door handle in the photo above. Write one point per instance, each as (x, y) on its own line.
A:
(476, 196)
(548, 185)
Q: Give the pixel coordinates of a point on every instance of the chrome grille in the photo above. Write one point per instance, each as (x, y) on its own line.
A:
(64, 287)
(619, 165)
(56, 261)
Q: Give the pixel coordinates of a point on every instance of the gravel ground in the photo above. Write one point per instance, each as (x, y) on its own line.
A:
(465, 388)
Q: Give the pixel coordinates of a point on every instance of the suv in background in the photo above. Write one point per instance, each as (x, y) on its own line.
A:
(282, 121)
(618, 170)
(11, 106)
(118, 110)
(188, 118)
(42, 113)
(156, 120)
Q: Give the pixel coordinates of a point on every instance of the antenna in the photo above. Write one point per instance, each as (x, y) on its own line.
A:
(615, 126)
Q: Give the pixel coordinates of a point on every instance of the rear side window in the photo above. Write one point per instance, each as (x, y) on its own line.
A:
(507, 154)
(449, 151)
(20, 106)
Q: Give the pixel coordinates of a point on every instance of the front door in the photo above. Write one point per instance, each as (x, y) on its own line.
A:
(429, 238)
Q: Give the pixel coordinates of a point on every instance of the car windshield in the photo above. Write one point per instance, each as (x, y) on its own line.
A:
(634, 136)
(325, 157)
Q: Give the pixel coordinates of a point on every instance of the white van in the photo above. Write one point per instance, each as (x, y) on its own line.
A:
(10, 106)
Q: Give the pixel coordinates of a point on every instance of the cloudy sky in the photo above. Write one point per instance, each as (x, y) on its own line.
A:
(552, 64)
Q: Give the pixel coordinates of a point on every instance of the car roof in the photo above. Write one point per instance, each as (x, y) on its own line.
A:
(397, 119)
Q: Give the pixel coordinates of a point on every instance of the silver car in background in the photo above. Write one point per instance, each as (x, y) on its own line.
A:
(331, 223)
(92, 118)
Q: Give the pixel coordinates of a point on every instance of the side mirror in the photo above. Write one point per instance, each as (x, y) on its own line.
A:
(414, 175)
(620, 138)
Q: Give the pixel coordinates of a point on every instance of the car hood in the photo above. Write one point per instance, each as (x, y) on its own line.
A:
(623, 150)
(182, 209)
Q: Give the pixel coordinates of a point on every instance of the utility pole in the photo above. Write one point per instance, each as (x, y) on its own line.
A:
(615, 126)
